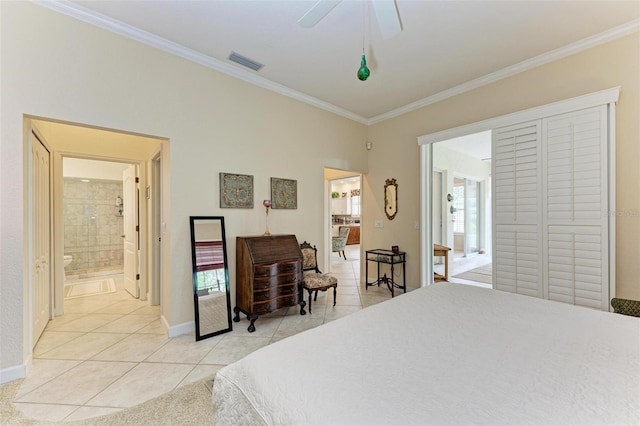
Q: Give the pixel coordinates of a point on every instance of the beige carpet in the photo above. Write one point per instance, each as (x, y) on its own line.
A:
(483, 274)
(187, 405)
(89, 288)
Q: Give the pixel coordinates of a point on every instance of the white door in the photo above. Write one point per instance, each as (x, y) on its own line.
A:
(517, 236)
(131, 230)
(42, 238)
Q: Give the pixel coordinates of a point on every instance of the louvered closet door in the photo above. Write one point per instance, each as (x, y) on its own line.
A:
(576, 205)
(517, 203)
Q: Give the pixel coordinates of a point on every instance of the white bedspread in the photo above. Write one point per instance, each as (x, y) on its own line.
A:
(445, 354)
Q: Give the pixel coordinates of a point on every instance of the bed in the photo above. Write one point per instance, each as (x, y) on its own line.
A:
(443, 354)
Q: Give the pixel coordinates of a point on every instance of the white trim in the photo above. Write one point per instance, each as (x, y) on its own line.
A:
(10, 374)
(188, 327)
(131, 32)
(602, 97)
(611, 143)
(426, 208)
(144, 37)
(536, 61)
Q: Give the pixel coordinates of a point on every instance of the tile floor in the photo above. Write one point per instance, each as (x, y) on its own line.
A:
(110, 352)
(459, 264)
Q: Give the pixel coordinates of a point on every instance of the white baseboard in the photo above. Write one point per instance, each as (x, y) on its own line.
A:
(10, 374)
(188, 327)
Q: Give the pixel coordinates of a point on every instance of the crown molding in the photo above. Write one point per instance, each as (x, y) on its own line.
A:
(109, 24)
(536, 61)
(131, 32)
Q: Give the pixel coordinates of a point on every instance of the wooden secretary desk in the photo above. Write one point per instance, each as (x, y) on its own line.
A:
(268, 276)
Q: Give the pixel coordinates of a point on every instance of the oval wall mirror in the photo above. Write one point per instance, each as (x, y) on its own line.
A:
(391, 198)
(212, 306)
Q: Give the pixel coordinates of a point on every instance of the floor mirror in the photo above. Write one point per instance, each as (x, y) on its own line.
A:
(212, 306)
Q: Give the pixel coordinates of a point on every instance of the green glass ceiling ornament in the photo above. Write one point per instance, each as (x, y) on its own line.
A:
(363, 71)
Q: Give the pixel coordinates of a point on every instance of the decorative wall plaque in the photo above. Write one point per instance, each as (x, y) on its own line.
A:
(236, 191)
(284, 193)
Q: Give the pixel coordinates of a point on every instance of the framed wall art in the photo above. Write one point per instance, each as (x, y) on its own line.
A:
(284, 193)
(236, 191)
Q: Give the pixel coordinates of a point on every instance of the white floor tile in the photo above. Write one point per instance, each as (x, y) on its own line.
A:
(201, 372)
(78, 385)
(45, 412)
(84, 347)
(42, 371)
(184, 350)
(133, 348)
(143, 382)
(232, 348)
(127, 324)
(52, 339)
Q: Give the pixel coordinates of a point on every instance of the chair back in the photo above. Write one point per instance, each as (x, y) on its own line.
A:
(343, 231)
(309, 257)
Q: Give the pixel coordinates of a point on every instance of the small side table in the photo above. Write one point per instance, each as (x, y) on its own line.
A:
(389, 257)
(439, 250)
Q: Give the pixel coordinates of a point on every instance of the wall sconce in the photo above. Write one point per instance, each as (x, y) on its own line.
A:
(369, 146)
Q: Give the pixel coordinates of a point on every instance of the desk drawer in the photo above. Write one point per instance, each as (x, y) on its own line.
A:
(274, 269)
(275, 292)
(275, 304)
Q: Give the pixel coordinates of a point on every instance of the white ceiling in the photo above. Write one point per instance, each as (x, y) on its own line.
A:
(445, 47)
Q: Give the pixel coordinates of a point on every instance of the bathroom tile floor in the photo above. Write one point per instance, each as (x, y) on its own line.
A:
(110, 352)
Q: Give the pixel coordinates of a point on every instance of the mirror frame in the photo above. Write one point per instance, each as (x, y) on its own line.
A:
(192, 223)
(390, 198)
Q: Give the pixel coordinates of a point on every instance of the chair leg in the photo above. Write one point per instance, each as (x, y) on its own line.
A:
(310, 301)
(334, 295)
(315, 296)
(344, 255)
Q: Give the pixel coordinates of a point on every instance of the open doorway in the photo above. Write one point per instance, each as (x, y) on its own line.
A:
(88, 210)
(343, 222)
(461, 227)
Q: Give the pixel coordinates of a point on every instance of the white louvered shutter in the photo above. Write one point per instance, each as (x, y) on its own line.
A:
(517, 204)
(576, 205)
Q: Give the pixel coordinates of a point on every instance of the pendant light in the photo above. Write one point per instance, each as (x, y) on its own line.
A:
(363, 71)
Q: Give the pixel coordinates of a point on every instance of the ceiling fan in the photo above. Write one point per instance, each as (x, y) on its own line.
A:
(386, 14)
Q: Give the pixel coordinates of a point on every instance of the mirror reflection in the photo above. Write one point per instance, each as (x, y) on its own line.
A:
(212, 305)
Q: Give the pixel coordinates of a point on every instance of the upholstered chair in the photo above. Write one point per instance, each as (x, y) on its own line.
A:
(312, 279)
(339, 243)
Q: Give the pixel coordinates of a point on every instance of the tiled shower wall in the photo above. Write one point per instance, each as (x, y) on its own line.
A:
(92, 226)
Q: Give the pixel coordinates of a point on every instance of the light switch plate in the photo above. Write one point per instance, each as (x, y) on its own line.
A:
(379, 224)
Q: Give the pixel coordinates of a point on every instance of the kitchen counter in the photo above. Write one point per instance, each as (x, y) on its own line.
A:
(354, 234)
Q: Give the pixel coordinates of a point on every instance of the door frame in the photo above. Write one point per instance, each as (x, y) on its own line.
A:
(58, 217)
(154, 197)
(604, 97)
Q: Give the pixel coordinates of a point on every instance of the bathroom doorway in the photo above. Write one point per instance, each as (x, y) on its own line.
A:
(94, 217)
(86, 165)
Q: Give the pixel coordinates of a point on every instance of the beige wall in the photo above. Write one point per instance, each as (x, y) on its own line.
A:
(56, 67)
(395, 152)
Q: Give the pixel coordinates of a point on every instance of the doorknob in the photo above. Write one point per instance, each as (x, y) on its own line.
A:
(122, 236)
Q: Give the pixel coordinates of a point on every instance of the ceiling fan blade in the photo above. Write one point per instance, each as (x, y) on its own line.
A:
(388, 18)
(317, 12)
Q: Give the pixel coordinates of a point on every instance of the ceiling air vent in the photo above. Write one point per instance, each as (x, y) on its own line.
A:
(244, 61)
